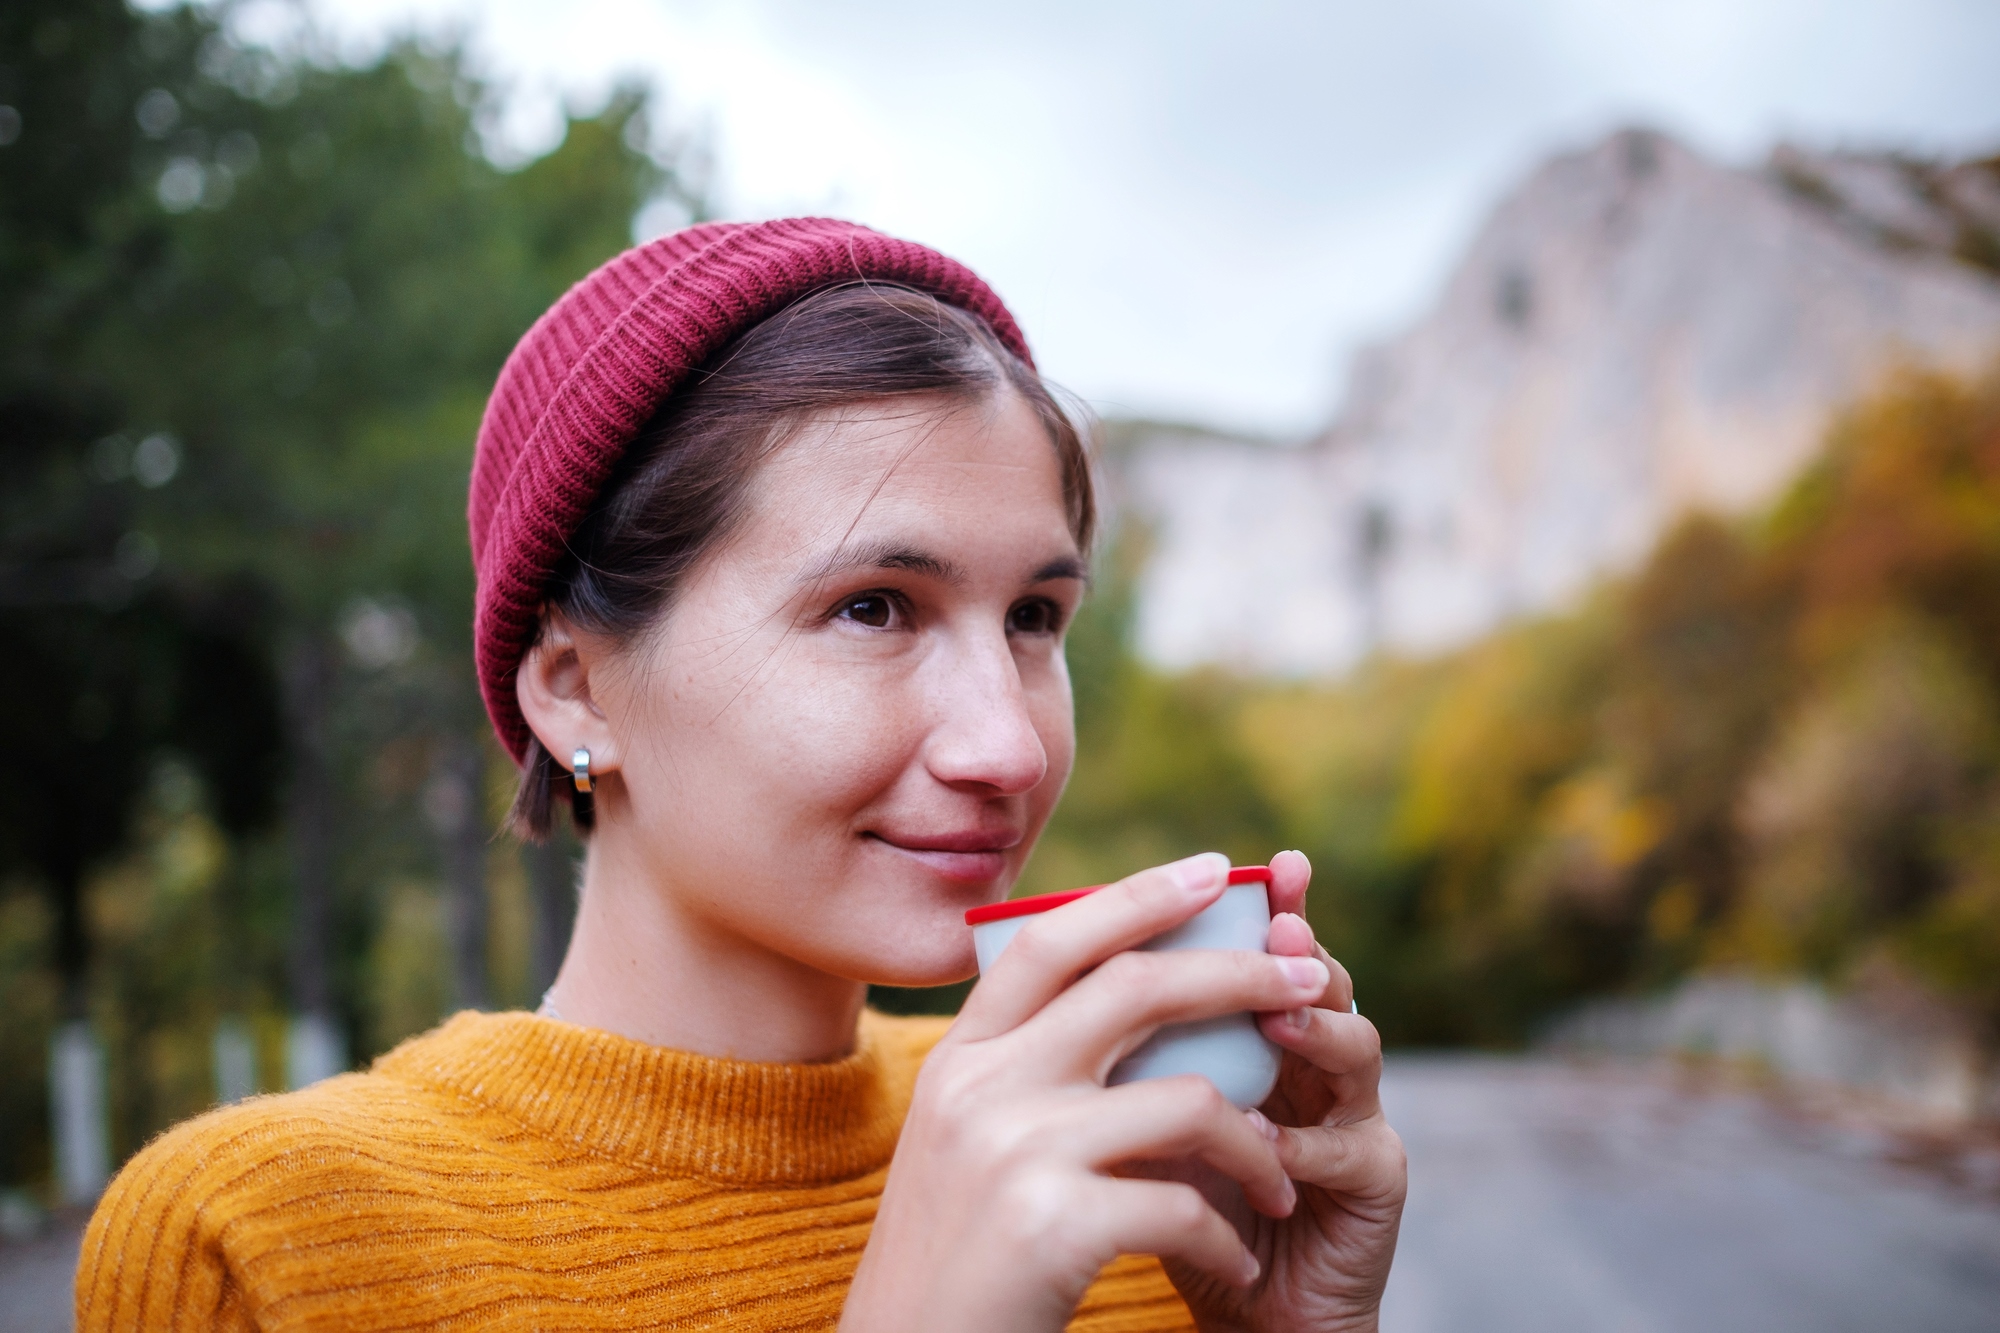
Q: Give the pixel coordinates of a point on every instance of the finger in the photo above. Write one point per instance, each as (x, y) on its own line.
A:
(1344, 1047)
(1056, 946)
(1364, 1161)
(1104, 1017)
(1293, 936)
(1291, 873)
(1164, 1119)
(1173, 1221)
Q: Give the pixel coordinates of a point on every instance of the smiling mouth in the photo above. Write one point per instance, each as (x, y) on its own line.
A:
(970, 858)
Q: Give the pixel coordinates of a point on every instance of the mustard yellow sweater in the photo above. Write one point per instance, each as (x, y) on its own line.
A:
(509, 1171)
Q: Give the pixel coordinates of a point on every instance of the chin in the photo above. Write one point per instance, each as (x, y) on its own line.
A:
(914, 964)
(926, 980)
(917, 973)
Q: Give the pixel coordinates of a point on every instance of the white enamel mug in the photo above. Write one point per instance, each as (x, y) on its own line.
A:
(1229, 1051)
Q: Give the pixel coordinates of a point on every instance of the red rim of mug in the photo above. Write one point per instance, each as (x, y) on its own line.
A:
(1043, 902)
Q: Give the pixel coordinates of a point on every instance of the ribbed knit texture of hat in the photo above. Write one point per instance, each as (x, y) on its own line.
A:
(599, 364)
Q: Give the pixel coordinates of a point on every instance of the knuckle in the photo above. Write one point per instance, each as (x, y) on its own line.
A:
(1034, 947)
(1380, 1169)
(1398, 1160)
(943, 1082)
(955, 1093)
(1148, 886)
(1028, 1204)
(1182, 1208)
(1131, 971)
(1204, 1100)
(1262, 971)
(1328, 1149)
(1192, 1102)
(1389, 1146)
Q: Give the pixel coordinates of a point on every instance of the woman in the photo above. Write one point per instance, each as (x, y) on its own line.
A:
(777, 534)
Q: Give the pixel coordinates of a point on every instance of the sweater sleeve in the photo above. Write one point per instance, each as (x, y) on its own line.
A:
(151, 1255)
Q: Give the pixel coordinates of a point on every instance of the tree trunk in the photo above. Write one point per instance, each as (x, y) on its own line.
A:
(313, 1048)
(454, 803)
(72, 942)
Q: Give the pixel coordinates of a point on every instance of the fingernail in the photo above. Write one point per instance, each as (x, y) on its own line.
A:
(1291, 1196)
(1199, 873)
(1304, 972)
(1263, 1125)
(1297, 1019)
(1251, 1268)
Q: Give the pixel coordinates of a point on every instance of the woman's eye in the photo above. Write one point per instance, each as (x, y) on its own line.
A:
(872, 610)
(1036, 617)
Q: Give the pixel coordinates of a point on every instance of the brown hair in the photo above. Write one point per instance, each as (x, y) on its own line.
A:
(679, 488)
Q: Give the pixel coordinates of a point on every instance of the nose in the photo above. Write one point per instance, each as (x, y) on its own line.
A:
(983, 735)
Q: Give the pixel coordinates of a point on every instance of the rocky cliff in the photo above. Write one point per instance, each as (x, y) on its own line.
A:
(1636, 331)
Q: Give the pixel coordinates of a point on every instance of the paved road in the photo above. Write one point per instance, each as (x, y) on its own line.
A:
(35, 1279)
(1550, 1199)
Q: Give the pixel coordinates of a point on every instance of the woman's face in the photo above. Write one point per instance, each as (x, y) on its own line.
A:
(855, 720)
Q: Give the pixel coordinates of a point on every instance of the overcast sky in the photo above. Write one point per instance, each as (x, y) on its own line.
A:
(1197, 211)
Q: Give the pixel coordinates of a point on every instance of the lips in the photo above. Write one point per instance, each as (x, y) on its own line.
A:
(970, 857)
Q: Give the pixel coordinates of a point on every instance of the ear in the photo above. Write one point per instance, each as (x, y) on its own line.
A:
(553, 688)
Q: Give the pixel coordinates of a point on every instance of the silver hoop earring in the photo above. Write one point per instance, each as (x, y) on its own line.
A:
(580, 767)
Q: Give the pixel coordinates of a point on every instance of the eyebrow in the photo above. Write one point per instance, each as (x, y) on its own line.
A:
(1066, 567)
(899, 555)
(884, 555)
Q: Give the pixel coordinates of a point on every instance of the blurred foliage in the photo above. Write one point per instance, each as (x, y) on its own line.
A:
(253, 301)
(1775, 746)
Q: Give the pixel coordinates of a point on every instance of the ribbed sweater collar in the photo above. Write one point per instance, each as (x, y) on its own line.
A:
(680, 1114)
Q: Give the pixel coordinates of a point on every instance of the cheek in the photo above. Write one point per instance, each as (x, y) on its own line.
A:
(795, 739)
(1054, 714)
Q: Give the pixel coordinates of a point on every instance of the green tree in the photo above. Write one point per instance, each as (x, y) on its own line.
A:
(109, 661)
(348, 273)
(254, 302)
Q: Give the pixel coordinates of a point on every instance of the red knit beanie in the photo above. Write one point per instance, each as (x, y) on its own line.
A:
(595, 368)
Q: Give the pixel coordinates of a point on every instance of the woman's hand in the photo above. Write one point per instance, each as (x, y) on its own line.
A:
(1324, 1265)
(1002, 1203)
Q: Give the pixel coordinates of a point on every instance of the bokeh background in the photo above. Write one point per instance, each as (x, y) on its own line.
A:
(1554, 464)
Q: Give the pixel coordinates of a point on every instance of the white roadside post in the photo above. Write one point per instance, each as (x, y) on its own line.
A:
(77, 1113)
(235, 1058)
(313, 1051)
